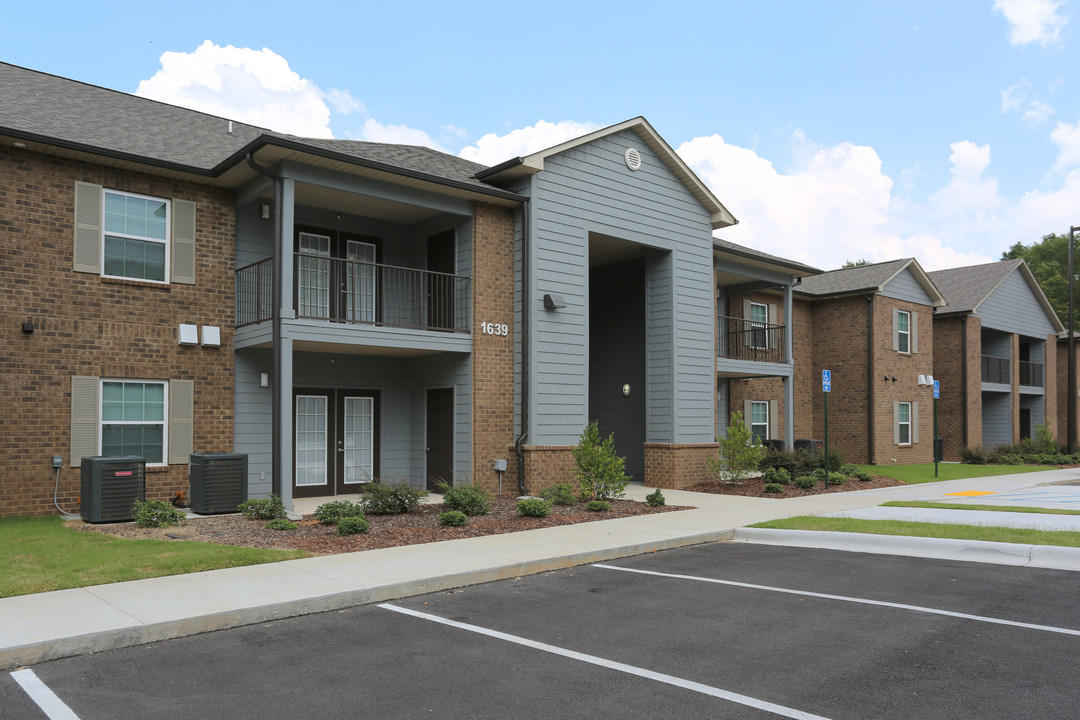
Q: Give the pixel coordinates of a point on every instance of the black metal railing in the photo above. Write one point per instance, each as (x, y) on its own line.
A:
(996, 370)
(741, 339)
(1031, 374)
(352, 291)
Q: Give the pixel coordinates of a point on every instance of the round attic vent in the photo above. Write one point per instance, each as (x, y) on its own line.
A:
(633, 158)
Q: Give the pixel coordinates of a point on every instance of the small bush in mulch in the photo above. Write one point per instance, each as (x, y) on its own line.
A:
(655, 498)
(755, 487)
(281, 524)
(467, 499)
(453, 518)
(805, 482)
(352, 526)
(560, 494)
(773, 488)
(155, 514)
(534, 507)
(390, 498)
(330, 513)
(270, 508)
(598, 506)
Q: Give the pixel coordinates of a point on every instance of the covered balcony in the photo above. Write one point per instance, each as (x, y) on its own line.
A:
(740, 339)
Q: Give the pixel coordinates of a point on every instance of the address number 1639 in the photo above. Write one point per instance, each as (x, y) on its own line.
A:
(494, 329)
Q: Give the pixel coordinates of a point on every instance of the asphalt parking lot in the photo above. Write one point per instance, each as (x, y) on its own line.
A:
(721, 630)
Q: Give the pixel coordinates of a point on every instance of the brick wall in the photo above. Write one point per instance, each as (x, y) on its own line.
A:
(839, 344)
(671, 465)
(493, 355)
(547, 465)
(87, 325)
(952, 334)
(1050, 384)
(1061, 388)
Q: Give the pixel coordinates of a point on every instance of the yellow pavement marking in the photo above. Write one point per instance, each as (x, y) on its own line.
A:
(973, 493)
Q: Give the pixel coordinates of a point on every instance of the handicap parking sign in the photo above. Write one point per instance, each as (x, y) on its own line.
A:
(937, 389)
(826, 380)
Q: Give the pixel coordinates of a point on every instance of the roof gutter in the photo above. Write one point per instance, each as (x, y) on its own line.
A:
(870, 375)
(519, 444)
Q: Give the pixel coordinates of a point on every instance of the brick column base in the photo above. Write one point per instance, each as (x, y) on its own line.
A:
(671, 466)
(547, 465)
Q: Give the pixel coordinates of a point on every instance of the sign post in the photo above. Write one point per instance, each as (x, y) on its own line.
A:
(826, 387)
(937, 394)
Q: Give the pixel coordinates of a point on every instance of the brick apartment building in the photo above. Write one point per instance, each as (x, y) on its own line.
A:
(338, 310)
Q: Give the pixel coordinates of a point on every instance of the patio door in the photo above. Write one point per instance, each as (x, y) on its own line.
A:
(440, 281)
(336, 441)
(336, 275)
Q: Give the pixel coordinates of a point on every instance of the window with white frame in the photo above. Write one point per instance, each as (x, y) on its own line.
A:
(135, 237)
(133, 417)
(759, 318)
(759, 422)
(903, 331)
(903, 423)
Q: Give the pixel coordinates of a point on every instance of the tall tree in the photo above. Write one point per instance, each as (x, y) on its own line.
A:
(854, 263)
(1049, 263)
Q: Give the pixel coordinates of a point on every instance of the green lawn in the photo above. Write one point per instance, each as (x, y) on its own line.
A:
(38, 554)
(930, 530)
(924, 473)
(991, 508)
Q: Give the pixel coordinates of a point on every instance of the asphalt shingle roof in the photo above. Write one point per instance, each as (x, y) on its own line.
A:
(965, 287)
(850, 280)
(736, 249)
(37, 105)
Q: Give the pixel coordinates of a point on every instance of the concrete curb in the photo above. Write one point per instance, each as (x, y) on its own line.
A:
(1041, 556)
(62, 646)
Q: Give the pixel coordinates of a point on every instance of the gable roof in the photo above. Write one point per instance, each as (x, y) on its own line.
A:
(74, 119)
(868, 278)
(966, 288)
(763, 259)
(534, 163)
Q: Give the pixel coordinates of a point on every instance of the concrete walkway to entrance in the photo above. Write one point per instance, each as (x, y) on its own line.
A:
(36, 628)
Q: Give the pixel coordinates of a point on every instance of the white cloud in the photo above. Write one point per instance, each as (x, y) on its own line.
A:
(374, 131)
(1016, 98)
(344, 102)
(967, 190)
(1067, 138)
(252, 86)
(1037, 113)
(493, 149)
(1013, 98)
(1032, 21)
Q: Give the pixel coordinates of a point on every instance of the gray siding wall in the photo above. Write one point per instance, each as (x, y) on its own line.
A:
(252, 416)
(997, 419)
(589, 189)
(996, 344)
(442, 371)
(723, 394)
(1013, 307)
(1037, 405)
(905, 287)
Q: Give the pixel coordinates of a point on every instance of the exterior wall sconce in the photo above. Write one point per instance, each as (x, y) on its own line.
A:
(553, 301)
(265, 211)
(626, 390)
(28, 327)
(264, 379)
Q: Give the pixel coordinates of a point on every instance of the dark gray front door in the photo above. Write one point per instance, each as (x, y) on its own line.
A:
(440, 437)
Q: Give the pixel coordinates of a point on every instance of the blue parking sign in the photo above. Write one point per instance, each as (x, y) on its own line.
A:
(826, 381)
(937, 389)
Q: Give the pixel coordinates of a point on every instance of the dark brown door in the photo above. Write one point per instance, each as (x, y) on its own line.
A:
(1025, 423)
(440, 437)
(440, 281)
(335, 441)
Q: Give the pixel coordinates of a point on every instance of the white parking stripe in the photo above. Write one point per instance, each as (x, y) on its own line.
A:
(612, 665)
(53, 707)
(844, 598)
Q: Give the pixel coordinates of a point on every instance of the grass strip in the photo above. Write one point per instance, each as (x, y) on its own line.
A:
(991, 508)
(1023, 536)
(924, 472)
(39, 554)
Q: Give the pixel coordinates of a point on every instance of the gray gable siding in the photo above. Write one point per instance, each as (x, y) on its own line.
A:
(587, 190)
(1013, 307)
(905, 287)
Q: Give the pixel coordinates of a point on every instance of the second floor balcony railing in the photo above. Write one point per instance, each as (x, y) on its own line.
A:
(996, 370)
(1031, 374)
(352, 291)
(740, 339)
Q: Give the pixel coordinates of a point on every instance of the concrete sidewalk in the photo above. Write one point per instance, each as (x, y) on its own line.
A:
(36, 628)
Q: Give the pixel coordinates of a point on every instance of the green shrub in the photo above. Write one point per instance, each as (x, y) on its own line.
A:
(655, 498)
(837, 478)
(155, 514)
(453, 518)
(281, 524)
(598, 505)
(784, 459)
(805, 482)
(818, 474)
(387, 498)
(534, 507)
(974, 455)
(774, 488)
(270, 508)
(864, 477)
(836, 460)
(467, 499)
(352, 526)
(849, 469)
(560, 494)
(736, 457)
(600, 471)
(330, 513)
(776, 476)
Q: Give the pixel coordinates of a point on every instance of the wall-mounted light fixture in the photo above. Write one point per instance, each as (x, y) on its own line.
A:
(626, 390)
(28, 327)
(265, 211)
(553, 301)
(264, 379)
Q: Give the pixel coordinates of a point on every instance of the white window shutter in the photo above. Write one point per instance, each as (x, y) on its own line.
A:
(914, 423)
(772, 419)
(181, 420)
(914, 332)
(747, 413)
(84, 418)
(87, 248)
(772, 314)
(896, 422)
(183, 242)
(896, 329)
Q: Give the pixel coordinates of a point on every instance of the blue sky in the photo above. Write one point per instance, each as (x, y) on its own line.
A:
(832, 130)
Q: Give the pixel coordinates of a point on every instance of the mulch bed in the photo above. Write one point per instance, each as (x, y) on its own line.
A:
(755, 487)
(421, 526)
